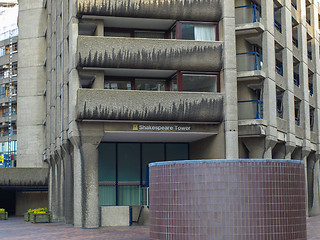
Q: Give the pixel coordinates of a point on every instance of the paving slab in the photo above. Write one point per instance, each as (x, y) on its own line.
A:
(17, 228)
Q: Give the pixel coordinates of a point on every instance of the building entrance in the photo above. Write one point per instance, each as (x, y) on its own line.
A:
(123, 169)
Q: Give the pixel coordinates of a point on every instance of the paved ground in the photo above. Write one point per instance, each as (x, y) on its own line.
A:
(16, 228)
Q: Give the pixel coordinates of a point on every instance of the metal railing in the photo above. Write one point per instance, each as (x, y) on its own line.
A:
(250, 109)
(249, 61)
(248, 14)
(310, 55)
(293, 4)
(279, 68)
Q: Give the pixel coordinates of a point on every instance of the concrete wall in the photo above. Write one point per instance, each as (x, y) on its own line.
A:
(26, 200)
(31, 77)
(115, 216)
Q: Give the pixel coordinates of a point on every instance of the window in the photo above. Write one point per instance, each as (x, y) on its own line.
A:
(206, 31)
(311, 109)
(118, 84)
(181, 81)
(297, 111)
(198, 83)
(150, 84)
(310, 84)
(280, 103)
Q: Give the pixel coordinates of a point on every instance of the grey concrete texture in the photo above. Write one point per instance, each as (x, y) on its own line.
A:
(27, 117)
(30, 4)
(32, 47)
(30, 18)
(23, 177)
(29, 86)
(197, 10)
(149, 106)
(136, 53)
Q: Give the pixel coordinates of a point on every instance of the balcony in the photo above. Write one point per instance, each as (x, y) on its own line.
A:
(250, 109)
(166, 54)
(248, 19)
(249, 66)
(296, 79)
(113, 105)
(196, 10)
(295, 42)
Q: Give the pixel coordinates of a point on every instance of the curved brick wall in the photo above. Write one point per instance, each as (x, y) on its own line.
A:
(227, 199)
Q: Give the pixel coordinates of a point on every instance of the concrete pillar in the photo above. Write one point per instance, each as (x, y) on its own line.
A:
(230, 80)
(86, 185)
(304, 154)
(61, 191)
(51, 185)
(315, 209)
(256, 146)
(279, 151)
(68, 184)
(289, 150)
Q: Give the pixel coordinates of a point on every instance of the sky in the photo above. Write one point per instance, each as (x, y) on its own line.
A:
(8, 21)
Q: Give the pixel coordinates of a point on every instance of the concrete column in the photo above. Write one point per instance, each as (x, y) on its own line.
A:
(315, 210)
(289, 150)
(304, 155)
(256, 146)
(279, 151)
(51, 185)
(61, 191)
(68, 185)
(86, 185)
(230, 80)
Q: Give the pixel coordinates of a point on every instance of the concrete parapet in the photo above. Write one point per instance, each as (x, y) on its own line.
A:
(195, 10)
(24, 177)
(149, 106)
(167, 54)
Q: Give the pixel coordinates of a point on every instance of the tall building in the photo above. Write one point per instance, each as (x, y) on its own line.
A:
(20, 188)
(114, 85)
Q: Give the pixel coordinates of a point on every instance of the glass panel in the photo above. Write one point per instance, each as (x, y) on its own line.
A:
(107, 162)
(174, 84)
(107, 195)
(150, 34)
(177, 151)
(151, 152)
(198, 32)
(128, 195)
(117, 85)
(199, 83)
(187, 31)
(173, 33)
(129, 162)
(150, 84)
(117, 34)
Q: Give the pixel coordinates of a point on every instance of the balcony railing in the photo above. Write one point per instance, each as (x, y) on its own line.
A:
(310, 55)
(247, 14)
(308, 21)
(293, 4)
(249, 61)
(250, 109)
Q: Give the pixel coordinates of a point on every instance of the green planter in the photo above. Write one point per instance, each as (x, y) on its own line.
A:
(27, 217)
(4, 216)
(40, 218)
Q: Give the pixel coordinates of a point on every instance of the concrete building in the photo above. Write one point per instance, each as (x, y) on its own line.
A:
(115, 85)
(20, 188)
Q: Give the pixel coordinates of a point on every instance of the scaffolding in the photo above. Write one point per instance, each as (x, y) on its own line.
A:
(10, 127)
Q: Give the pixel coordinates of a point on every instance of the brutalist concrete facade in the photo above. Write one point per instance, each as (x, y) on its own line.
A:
(78, 52)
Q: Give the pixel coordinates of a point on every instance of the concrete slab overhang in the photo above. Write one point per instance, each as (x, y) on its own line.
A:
(106, 105)
(193, 10)
(250, 128)
(168, 54)
(249, 28)
(19, 177)
(251, 75)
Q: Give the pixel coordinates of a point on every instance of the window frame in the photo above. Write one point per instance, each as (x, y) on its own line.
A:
(178, 26)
